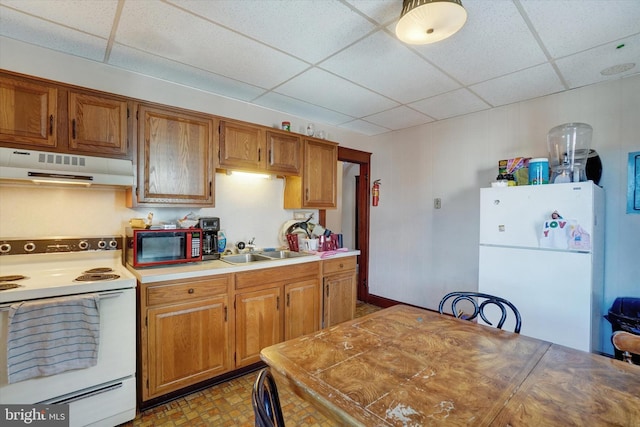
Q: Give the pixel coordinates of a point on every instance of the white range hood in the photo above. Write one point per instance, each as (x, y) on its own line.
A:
(59, 168)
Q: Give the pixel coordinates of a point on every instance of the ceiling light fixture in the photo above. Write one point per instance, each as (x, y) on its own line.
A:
(429, 21)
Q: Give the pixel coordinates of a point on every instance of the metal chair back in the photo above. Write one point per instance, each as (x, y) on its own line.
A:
(480, 301)
(265, 401)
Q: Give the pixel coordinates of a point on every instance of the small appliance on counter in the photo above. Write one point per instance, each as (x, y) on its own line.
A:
(150, 248)
(210, 228)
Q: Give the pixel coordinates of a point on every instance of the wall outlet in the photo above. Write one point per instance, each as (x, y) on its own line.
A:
(437, 203)
(300, 215)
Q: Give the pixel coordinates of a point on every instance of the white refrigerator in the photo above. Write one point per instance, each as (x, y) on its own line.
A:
(549, 266)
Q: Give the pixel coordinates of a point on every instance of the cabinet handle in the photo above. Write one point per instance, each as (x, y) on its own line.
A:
(259, 154)
(288, 300)
(278, 302)
(306, 194)
(341, 265)
(270, 157)
(225, 313)
(51, 124)
(327, 291)
(191, 290)
(73, 129)
(210, 188)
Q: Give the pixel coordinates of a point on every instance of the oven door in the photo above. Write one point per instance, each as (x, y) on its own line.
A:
(116, 355)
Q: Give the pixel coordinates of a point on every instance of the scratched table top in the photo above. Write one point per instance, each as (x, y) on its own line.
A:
(404, 366)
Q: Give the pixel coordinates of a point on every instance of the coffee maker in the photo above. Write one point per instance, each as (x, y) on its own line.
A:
(210, 228)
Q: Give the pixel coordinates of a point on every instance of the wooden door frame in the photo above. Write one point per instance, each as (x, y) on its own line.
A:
(363, 159)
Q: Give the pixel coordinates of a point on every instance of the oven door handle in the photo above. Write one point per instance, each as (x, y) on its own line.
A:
(102, 295)
(85, 395)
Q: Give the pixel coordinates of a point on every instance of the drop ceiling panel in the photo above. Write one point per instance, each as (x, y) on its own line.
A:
(151, 65)
(174, 34)
(584, 68)
(278, 102)
(398, 118)
(383, 64)
(326, 90)
(46, 34)
(494, 41)
(363, 127)
(310, 30)
(567, 27)
(382, 11)
(531, 83)
(451, 104)
(90, 16)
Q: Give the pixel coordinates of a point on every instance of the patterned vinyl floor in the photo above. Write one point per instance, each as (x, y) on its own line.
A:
(229, 404)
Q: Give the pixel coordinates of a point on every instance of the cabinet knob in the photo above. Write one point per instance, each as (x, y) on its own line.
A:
(191, 290)
(341, 265)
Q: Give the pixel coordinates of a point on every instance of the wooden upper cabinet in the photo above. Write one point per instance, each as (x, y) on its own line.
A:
(241, 146)
(283, 153)
(175, 158)
(98, 125)
(28, 113)
(317, 187)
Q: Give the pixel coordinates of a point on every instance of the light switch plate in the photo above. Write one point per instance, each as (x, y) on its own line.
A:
(437, 203)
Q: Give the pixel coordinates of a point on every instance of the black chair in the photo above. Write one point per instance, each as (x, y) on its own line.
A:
(265, 401)
(479, 302)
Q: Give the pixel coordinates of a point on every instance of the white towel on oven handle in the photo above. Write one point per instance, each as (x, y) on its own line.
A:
(50, 336)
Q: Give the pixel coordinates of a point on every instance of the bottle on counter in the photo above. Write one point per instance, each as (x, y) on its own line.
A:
(222, 241)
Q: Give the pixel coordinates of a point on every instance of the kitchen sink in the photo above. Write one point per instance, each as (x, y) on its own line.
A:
(245, 258)
(282, 254)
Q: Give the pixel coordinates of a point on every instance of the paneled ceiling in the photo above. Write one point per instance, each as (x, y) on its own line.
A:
(338, 62)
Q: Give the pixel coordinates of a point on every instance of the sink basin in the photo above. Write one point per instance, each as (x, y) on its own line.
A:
(245, 258)
(282, 254)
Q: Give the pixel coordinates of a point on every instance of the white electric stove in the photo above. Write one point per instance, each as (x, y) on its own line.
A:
(36, 269)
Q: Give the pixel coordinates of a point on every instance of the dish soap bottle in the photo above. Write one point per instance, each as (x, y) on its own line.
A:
(222, 242)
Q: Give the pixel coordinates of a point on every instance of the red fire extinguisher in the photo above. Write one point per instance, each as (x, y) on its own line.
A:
(375, 192)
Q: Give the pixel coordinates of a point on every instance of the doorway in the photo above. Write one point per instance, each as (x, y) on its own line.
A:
(361, 213)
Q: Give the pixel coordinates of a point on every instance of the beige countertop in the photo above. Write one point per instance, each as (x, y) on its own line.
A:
(211, 268)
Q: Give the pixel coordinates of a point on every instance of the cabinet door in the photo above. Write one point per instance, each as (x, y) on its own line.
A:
(188, 343)
(241, 146)
(28, 113)
(320, 172)
(97, 125)
(175, 163)
(339, 298)
(258, 324)
(283, 153)
(301, 308)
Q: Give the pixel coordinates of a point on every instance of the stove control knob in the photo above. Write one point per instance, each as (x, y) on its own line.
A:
(102, 244)
(5, 248)
(113, 244)
(84, 245)
(29, 247)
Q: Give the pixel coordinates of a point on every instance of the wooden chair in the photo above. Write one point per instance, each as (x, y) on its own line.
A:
(480, 302)
(265, 401)
(628, 344)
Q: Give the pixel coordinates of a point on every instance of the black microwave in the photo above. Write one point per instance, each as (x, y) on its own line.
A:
(149, 248)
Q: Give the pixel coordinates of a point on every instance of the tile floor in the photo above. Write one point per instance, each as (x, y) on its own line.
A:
(229, 404)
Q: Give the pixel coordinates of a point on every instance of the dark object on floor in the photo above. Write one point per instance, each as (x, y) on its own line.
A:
(265, 401)
(479, 302)
(624, 315)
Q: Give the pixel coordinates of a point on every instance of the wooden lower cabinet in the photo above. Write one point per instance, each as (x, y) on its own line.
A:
(275, 304)
(339, 290)
(185, 334)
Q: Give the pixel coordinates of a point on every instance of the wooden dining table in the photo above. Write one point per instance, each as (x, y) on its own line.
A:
(405, 366)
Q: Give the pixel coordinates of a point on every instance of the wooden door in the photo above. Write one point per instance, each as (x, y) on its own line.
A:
(188, 343)
(301, 308)
(28, 113)
(283, 153)
(175, 160)
(241, 146)
(258, 323)
(97, 125)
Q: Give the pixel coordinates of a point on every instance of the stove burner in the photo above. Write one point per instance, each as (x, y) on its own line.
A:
(96, 277)
(12, 278)
(5, 286)
(99, 270)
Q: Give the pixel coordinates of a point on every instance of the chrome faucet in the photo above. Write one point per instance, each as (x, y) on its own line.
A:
(251, 244)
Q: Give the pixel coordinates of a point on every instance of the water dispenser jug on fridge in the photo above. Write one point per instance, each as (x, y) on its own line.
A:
(568, 151)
